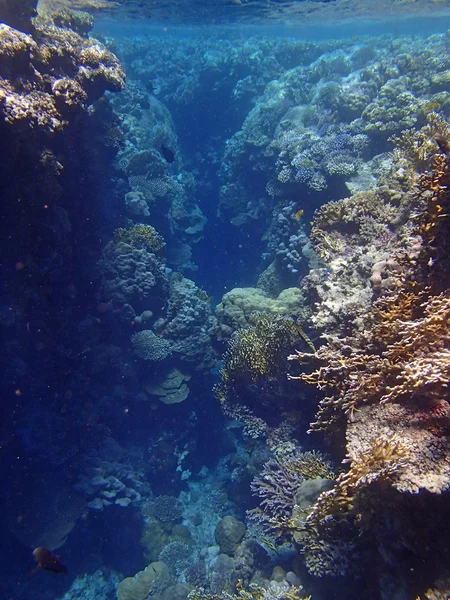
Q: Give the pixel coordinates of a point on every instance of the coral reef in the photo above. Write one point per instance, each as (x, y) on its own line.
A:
(140, 236)
(240, 306)
(133, 279)
(141, 585)
(187, 321)
(166, 509)
(106, 482)
(64, 73)
(177, 556)
(254, 592)
(388, 391)
(149, 346)
(281, 486)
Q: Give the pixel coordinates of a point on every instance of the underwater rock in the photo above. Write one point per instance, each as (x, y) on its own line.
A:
(136, 205)
(140, 586)
(310, 490)
(229, 533)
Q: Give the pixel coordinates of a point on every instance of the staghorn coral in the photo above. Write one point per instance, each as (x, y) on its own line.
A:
(398, 356)
(419, 146)
(381, 461)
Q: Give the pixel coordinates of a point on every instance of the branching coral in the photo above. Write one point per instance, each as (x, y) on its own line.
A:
(405, 351)
(140, 236)
(255, 352)
(382, 462)
(419, 146)
(253, 592)
(150, 346)
(278, 485)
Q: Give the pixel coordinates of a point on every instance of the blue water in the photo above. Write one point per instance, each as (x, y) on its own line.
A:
(132, 215)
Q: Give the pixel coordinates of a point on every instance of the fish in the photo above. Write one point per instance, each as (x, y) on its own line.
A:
(48, 560)
(167, 153)
(299, 214)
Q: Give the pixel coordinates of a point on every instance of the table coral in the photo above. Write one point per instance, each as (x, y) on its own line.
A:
(171, 388)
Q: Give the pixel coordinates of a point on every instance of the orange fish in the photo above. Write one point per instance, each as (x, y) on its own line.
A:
(299, 214)
(48, 561)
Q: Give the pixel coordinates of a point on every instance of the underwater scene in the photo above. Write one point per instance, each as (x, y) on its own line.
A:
(225, 300)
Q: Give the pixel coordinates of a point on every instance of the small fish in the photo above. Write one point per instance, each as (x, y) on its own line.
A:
(48, 561)
(167, 153)
(299, 214)
(149, 87)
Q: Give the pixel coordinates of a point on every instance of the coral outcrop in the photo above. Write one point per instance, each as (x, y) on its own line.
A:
(387, 392)
(56, 73)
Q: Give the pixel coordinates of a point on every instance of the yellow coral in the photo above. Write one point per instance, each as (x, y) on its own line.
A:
(384, 459)
(255, 352)
(143, 236)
